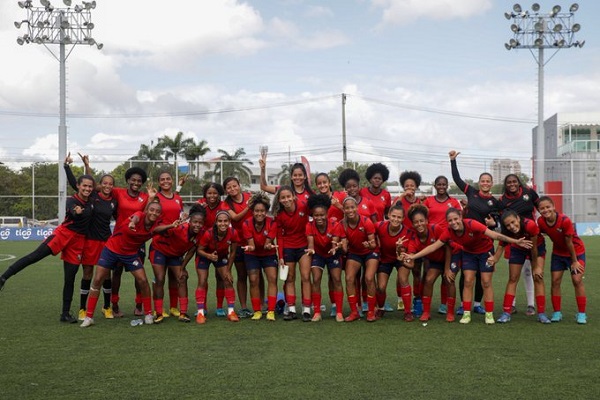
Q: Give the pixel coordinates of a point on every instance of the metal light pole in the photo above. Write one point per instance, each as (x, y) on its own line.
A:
(63, 26)
(536, 30)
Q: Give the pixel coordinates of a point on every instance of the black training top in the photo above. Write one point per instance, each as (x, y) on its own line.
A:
(479, 205)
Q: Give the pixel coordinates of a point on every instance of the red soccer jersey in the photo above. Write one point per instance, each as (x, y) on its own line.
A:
(127, 205)
(381, 201)
(292, 227)
(175, 242)
(210, 243)
(530, 229)
(473, 238)
(437, 209)
(387, 241)
(416, 244)
(322, 241)
(238, 208)
(406, 205)
(357, 235)
(269, 231)
(558, 232)
(125, 241)
(171, 207)
(211, 212)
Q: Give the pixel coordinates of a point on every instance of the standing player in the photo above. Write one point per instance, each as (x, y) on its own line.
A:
(68, 239)
(122, 248)
(568, 254)
(377, 174)
(300, 181)
(477, 243)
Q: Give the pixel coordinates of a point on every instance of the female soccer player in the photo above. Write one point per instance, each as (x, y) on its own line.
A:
(104, 208)
(437, 205)
(167, 250)
(218, 247)
(523, 201)
(129, 200)
(424, 235)
(260, 254)
(516, 226)
(482, 207)
(319, 233)
(358, 234)
(68, 239)
(393, 235)
(300, 181)
(122, 248)
(568, 254)
(377, 174)
(236, 204)
(477, 242)
(291, 216)
(212, 203)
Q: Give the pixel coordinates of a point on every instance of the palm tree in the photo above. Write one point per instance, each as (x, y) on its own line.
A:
(233, 165)
(195, 151)
(283, 176)
(173, 147)
(148, 153)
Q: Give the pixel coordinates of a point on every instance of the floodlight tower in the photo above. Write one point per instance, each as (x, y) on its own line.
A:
(63, 26)
(537, 30)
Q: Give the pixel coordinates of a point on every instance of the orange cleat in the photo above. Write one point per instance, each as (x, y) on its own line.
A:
(352, 317)
(425, 317)
(233, 317)
(408, 316)
(200, 319)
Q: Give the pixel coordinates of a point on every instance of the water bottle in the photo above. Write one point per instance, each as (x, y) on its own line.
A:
(137, 322)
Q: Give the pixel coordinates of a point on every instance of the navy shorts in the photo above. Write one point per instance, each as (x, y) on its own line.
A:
(239, 255)
(387, 268)
(362, 259)
(320, 262)
(477, 262)
(158, 258)
(293, 255)
(109, 259)
(435, 265)
(204, 263)
(257, 262)
(562, 263)
(518, 255)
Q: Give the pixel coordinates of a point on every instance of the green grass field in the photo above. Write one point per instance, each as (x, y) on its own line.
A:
(389, 359)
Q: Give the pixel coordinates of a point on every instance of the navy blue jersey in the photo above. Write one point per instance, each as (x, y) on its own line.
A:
(524, 202)
(479, 205)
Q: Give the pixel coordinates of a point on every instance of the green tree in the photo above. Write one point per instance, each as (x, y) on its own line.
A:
(195, 152)
(232, 165)
(360, 168)
(283, 176)
(174, 147)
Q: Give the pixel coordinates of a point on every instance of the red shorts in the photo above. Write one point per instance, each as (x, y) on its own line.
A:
(91, 251)
(68, 243)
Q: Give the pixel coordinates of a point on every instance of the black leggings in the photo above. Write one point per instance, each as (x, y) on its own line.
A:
(68, 285)
(41, 252)
(478, 289)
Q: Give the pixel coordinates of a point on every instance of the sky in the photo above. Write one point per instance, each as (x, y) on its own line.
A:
(421, 78)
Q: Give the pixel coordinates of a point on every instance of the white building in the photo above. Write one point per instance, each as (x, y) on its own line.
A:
(502, 167)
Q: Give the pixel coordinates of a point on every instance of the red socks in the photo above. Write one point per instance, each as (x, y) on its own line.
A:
(255, 304)
(91, 306)
(489, 306)
(339, 301)
(230, 297)
(581, 303)
(316, 301)
(353, 305)
(158, 306)
(147, 304)
(201, 298)
(271, 301)
(426, 304)
(183, 304)
(405, 293)
(508, 302)
(220, 297)
(556, 300)
(540, 302)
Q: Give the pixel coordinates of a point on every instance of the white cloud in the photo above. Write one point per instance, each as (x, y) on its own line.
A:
(398, 12)
(318, 11)
(287, 32)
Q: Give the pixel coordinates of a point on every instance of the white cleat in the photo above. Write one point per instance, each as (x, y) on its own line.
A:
(87, 321)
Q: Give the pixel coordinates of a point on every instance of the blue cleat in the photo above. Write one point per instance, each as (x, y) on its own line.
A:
(417, 307)
(387, 307)
(543, 318)
(581, 318)
(556, 316)
(333, 311)
(443, 309)
(220, 312)
(460, 310)
(504, 318)
(478, 310)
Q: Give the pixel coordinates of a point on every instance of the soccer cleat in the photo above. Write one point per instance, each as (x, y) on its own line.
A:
(138, 312)
(306, 317)
(513, 310)
(219, 312)
(68, 318)
(200, 319)
(352, 317)
(530, 311)
(245, 313)
(166, 314)
(460, 310)
(87, 321)
(183, 317)
(450, 317)
(400, 305)
(323, 308)
(148, 319)
(365, 307)
(117, 313)
(379, 313)
(581, 318)
(108, 313)
(317, 317)
(543, 318)
(425, 317)
(339, 317)
(371, 316)
(233, 317)
(333, 312)
(290, 315)
(417, 307)
(257, 315)
(443, 309)
(408, 316)
(478, 310)
(466, 318)
(159, 318)
(556, 316)
(174, 311)
(81, 315)
(489, 318)
(270, 315)
(504, 318)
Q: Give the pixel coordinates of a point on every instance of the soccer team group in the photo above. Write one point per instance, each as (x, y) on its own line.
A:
(360, 235)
